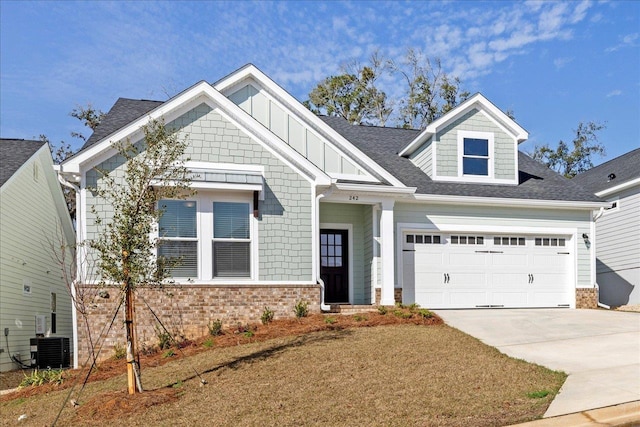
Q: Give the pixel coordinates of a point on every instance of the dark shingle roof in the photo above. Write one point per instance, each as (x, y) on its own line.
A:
(536, 181)
(625, 168)
(13, 154)
(123, 112)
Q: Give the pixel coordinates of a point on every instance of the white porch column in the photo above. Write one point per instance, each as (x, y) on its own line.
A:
(387, 253)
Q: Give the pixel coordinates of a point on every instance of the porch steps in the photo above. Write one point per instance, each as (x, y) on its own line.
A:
(351, 309)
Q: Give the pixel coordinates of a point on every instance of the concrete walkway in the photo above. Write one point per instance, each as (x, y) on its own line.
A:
(599, 349)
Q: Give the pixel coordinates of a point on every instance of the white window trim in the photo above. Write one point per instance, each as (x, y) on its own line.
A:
(489, 136)
(204, 223)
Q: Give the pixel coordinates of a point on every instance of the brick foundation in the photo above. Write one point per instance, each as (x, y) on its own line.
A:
(587, 297)
(397, 295)
(187, 310)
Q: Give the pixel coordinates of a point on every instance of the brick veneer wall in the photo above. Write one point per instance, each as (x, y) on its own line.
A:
(187, 310)
(397, 295)
(587, 297)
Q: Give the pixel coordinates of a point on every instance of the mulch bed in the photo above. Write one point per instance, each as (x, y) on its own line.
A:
(276, 329)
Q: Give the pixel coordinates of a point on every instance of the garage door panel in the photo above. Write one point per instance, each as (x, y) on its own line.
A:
(490, 272)
(509, 260)
(510, 299)
(509, 280)
(464, 259)
(430, 299)
(466, 299)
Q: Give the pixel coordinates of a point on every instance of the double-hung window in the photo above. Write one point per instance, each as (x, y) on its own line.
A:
(178, 232)
(210, 237)
(231, 240)
(475, 157)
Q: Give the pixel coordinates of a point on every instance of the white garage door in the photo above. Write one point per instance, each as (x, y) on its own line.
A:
(469, 271)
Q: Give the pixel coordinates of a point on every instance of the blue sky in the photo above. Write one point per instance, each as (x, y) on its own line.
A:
(553, 63)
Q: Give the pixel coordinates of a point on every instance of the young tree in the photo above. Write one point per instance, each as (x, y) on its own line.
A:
(154, 170)
(353, 95)
(89, 116)
(570, 160)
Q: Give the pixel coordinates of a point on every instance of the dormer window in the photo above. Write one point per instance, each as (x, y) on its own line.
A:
(475, 155)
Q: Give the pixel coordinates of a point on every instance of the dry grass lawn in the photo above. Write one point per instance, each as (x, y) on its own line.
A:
(385, 375)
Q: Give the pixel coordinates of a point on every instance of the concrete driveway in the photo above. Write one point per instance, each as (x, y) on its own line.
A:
(599, 349)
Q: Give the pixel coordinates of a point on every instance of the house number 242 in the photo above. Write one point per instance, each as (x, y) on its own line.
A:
(353, 197)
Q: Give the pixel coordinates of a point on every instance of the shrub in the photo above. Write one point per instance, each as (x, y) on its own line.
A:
(413, 307)
(215, 327)
(119, 351)
(168, 353)
(424, 313)
(164, 338)
(330, 320)
(301, 309)
(402, 314)
(382, 310)
(208, 343)
(359, 318)
(39, 377)
(267, 316)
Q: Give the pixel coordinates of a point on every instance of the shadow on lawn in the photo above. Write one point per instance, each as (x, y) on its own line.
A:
(272, 351)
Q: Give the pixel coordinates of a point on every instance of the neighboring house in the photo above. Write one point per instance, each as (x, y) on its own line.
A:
(292, 206)
(617, 227)
(33, 219)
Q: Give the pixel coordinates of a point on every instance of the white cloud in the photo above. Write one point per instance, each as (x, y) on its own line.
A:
(561, 62)
(629, 40)
(616, 92)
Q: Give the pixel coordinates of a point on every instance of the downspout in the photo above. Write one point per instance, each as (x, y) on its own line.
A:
(593, 247)
(74, 283)
(316, 246)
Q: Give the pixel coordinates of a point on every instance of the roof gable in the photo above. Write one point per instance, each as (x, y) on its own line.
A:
(14, 153)
(250, 74)
(199, 93)
(477, 101)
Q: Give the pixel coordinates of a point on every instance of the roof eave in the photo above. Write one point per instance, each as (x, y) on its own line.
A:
(501, 201)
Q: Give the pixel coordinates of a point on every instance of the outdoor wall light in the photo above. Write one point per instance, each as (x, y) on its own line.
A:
(585, 236)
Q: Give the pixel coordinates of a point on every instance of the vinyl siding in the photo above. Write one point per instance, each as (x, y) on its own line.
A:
(29, 224)
(618, 244)
(361, 257)
(545, 219)
(285, 215)
(446, 142)
(291, 131)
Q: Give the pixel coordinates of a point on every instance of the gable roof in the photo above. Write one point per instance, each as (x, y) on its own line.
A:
(477, 101)
(200, 93)
(626, 169)
(121, 114)
(535, 182)
(14, 153)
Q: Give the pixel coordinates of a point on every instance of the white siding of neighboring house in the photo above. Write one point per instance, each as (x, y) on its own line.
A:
(618, 250)
(29, 221)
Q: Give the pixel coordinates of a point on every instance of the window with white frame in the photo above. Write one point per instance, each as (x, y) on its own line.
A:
(475, 157)
(475, 154)
(210, 236)
(231, 240)
(178, 231)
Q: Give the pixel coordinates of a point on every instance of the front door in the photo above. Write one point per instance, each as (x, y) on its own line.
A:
(334, 265)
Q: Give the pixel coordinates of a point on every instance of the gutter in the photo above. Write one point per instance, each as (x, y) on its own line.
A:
(596, 217)
(316, 244)
(74, 311)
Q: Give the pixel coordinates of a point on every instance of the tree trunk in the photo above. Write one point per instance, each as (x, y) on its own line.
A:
(134, 383)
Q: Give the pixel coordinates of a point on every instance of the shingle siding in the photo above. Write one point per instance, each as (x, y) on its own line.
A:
(285, 214)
